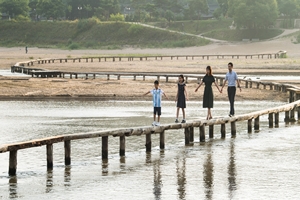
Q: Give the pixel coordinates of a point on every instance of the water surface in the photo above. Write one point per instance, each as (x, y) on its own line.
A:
(261, 165)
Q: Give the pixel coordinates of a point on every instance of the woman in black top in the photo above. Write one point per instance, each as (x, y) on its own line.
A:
(181, 97)
(208, 96)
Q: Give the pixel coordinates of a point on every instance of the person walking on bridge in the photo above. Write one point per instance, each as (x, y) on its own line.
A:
(232, 79)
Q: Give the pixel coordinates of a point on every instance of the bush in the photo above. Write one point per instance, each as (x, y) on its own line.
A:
(134, 29)
(86, 24)
(117, 17)
(74, 46)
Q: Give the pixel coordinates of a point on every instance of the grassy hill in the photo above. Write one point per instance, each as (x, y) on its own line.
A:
(89, 33)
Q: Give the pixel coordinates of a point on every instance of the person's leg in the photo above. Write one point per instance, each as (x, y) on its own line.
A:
(232, 99)
(209, 113)
(229, 91)
(231, 95)
(158, 114)
(154, 117)
(183, 113)
(177, 113)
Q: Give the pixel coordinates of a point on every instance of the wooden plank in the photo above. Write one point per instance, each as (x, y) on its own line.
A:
(148, 143)
(67, 152)
(104, 147)
(49, 149)
(12, 170)
(122, 145)
(162, 140)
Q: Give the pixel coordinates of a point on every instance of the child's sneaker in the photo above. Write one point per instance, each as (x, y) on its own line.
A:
(183, 121)
(176, 121)
(154, 123)
(157, 124)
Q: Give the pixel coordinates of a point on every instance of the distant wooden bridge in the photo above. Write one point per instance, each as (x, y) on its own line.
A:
(148, 57)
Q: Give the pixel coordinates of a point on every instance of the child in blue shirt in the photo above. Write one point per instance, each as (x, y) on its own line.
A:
(157, 94)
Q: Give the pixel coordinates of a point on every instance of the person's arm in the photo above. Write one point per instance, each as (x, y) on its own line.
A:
(223, 85)
(218, 87)
(238, 84)
(185, 92)
(176, 96)
(147, 93)
(199, 86)
(165, 95)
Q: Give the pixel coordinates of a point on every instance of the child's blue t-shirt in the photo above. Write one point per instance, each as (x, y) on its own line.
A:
(157, 96)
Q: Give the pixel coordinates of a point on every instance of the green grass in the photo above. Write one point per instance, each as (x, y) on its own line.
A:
(239, 35)
(90, 35)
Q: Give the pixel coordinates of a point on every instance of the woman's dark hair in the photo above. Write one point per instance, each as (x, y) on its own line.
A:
(181, 76)
(210, 70)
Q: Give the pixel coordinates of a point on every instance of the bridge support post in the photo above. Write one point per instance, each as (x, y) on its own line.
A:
(202, 133)
(49, 148)
(162, 140)
(187, 136)
(250, 126)
(287, 116)
(191, 134)
(148, 142)
(68, 152)
(122, 145)
(221, 82)
(12, 170)
(223, 131)
(271, 120)
(233, 129)
(104, 147)
(211, 131)
(276, 120)
(246, 85)
(256, 124)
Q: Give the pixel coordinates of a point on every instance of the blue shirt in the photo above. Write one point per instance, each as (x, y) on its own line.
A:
(231, 78)
(157, 96)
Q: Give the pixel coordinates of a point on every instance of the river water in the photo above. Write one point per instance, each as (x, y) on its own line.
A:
(262, 165)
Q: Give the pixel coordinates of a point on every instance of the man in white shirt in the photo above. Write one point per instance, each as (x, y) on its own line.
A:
(232, 79)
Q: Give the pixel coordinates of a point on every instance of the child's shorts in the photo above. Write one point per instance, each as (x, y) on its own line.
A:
(157, 110)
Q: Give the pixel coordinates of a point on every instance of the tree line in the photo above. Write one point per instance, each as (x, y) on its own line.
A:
(245, 13)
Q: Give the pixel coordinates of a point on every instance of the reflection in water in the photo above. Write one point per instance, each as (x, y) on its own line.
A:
(181, 176)
(13, 187)
(231, 171)
(122, 163)
(49, 181)
(67, 176)
(157, 176)
(208, 172)
(104, 167)
(148, 158)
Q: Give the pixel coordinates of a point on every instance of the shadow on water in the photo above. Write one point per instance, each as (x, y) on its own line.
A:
(232, 171)
(49, 181)
(208, 173)
(105, 167)
(67, 176)
(181, 175)
(13, 182)
(157, 176)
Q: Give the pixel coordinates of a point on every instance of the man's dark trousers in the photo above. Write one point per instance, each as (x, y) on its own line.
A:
(231, 90)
